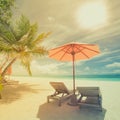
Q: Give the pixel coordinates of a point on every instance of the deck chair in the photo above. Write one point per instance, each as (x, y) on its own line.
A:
(90, 97)
(61, 92)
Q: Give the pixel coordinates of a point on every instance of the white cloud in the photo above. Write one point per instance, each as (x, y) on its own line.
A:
(48, 68)
(116, 71)
(87, 68)
(51, 19)
(113, 65)
(108, 52)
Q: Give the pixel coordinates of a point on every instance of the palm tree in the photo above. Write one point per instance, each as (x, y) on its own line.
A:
(20, 41)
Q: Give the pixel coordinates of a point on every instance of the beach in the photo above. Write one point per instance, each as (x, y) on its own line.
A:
(27, 100)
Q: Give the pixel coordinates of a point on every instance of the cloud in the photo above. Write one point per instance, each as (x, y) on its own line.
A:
(108, 55)
(113, 65)
(108, 52)
(116, 71)
(52, 68)
(87, 68)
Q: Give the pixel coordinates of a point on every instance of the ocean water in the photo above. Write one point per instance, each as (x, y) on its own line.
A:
(115, 78)
(92, 77)
(100, 77)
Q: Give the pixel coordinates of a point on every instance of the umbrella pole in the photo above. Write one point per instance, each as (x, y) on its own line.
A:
(73, 74)
(73, 101)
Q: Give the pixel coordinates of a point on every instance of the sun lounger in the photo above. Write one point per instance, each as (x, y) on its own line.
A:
(90, 97)
(10, 82)
(61, 92)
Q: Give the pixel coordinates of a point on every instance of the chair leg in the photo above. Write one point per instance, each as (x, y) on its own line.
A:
(80, 98)
(48, 99)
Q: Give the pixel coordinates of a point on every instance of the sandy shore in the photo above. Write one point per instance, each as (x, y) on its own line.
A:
(27, 101)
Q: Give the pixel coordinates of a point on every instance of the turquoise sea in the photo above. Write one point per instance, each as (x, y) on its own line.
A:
(115, 78)
(92, 77)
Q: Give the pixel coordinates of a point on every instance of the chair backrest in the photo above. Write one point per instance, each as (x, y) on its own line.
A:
(59, 87)
(89, 91)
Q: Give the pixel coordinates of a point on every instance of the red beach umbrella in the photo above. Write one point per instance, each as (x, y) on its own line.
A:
(73, 52)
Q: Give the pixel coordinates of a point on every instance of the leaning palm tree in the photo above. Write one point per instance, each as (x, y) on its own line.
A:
(20, 41)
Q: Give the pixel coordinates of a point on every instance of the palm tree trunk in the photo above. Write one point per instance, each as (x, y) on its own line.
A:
(6, 68)
(4, 63)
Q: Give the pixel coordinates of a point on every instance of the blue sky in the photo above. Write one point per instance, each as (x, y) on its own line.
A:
(64, 19)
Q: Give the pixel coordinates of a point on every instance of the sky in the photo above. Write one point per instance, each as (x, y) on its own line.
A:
(83, 21)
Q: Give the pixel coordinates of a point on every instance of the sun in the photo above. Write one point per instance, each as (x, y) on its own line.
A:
(92, 15)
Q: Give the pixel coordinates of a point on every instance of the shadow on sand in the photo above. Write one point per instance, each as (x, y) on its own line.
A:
(11, 93)
(50, 111)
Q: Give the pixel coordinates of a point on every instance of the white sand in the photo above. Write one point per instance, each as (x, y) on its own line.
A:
(27, 101)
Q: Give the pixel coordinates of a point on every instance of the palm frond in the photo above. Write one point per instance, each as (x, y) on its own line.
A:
(6, 33)
(32, 32)
(26, 58)
(26, 40)
(40, 51)
(5, 47)
(41, 37)
(22, 27)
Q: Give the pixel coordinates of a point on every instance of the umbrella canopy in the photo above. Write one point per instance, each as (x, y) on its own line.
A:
(73, 52)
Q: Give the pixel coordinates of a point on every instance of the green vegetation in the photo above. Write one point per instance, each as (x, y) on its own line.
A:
(18, 40)
(6, 7)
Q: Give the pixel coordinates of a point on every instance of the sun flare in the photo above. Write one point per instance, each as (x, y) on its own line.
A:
(92, 15)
